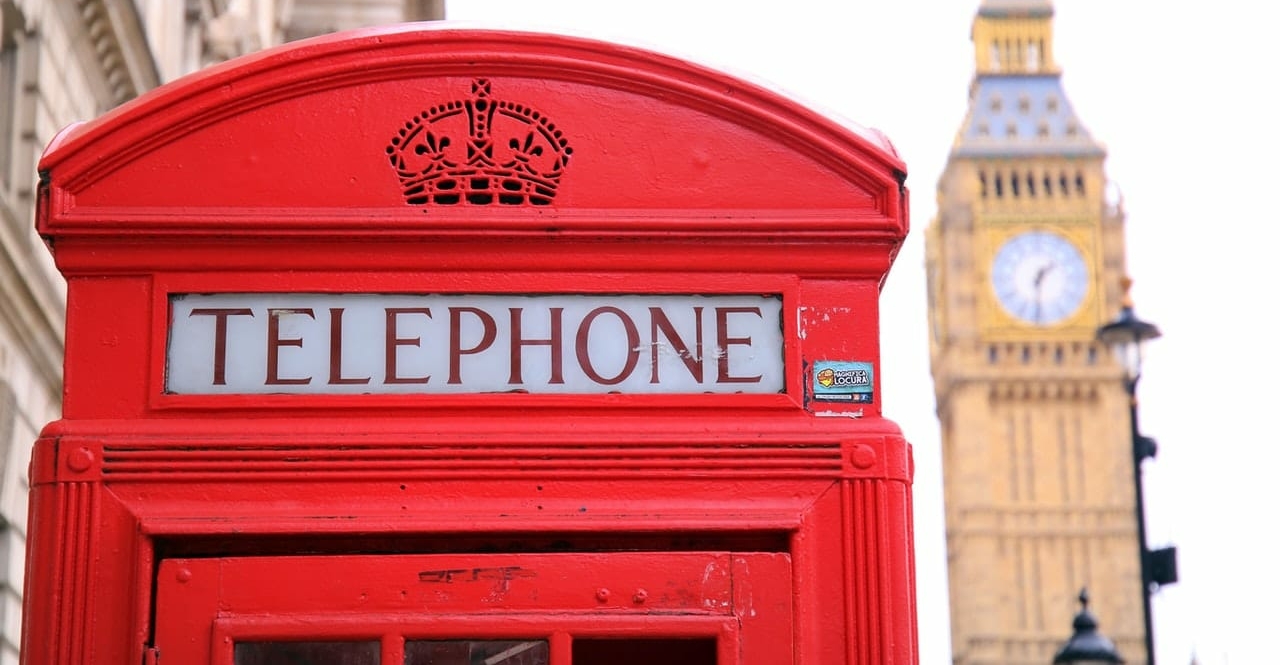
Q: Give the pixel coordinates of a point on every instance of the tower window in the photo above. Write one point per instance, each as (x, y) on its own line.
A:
(1051, 104)
(999, 186)
(1031, 185)
(1013, 184)
(996, 103)
(982, 184)
(1024, 104)
(1042, 130)
(1011, 129)
(1079, 184)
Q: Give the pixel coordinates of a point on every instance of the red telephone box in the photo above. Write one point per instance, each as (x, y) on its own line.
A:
(446, 346)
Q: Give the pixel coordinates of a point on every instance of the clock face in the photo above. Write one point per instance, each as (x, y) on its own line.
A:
(1039, 277)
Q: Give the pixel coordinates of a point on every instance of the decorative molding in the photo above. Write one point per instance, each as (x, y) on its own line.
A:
(118, 39)
(459, 460)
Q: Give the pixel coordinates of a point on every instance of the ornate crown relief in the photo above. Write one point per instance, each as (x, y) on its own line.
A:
(479, 151)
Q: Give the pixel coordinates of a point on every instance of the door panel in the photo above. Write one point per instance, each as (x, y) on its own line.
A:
(686, 608)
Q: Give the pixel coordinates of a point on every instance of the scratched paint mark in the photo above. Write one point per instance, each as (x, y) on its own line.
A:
(498, 573)
(499, 576)
(668, 350)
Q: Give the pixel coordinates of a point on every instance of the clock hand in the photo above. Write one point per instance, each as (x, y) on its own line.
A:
(1041, 274)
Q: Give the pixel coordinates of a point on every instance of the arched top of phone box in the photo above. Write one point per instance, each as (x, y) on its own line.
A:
(418, 128)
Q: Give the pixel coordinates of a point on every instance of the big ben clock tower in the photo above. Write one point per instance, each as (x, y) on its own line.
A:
(1025, 260)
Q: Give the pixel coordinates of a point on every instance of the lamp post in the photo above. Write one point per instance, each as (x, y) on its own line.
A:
(1126, 336)
(1086, 646)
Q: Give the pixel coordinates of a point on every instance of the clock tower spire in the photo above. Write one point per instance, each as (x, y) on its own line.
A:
(1014, 37)
(1025, 260)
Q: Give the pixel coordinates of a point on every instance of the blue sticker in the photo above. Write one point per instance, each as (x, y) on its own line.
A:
(849, 382)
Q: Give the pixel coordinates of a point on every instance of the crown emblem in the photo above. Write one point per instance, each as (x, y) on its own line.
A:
(479, 151)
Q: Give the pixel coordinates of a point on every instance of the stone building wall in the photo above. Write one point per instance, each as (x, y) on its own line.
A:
(67, 61)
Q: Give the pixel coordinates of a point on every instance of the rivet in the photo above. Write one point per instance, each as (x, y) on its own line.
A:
(80, 459)
(862, 456)
(640, 596)
(184, 575)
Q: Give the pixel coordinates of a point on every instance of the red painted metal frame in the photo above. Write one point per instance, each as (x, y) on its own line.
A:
(270, 174)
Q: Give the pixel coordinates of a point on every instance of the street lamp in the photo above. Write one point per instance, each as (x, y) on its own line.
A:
(1125, 336)
(1086, 646)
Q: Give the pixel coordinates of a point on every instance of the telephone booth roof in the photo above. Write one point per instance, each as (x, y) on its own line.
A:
(312, 138)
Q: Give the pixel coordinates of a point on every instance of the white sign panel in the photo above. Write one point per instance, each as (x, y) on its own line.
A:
(258, 343)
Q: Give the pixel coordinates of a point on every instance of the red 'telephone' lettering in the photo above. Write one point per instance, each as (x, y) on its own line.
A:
(518, 343)
(335, 350)
(724, 341)
(274, 342)
(584, 353)
(394, 342)
(658, 321)
(455, 338)
(220, 338)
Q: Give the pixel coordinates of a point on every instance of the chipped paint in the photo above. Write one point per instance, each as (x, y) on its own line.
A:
(710, 601)
(806, 315)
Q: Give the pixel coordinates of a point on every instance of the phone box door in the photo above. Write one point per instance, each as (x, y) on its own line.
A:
(687, 608)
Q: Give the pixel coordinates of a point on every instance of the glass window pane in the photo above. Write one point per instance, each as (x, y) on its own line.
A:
(674, 651)
(477, 652)
(308, 653)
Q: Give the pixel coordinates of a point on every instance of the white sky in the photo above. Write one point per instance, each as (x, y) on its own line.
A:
(1184, 97)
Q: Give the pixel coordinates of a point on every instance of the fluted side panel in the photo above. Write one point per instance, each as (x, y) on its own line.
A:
(74, 560)
(878, 565)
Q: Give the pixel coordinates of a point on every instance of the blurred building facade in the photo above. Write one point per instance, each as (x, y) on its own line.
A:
(66, 61)
(1025, 260)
